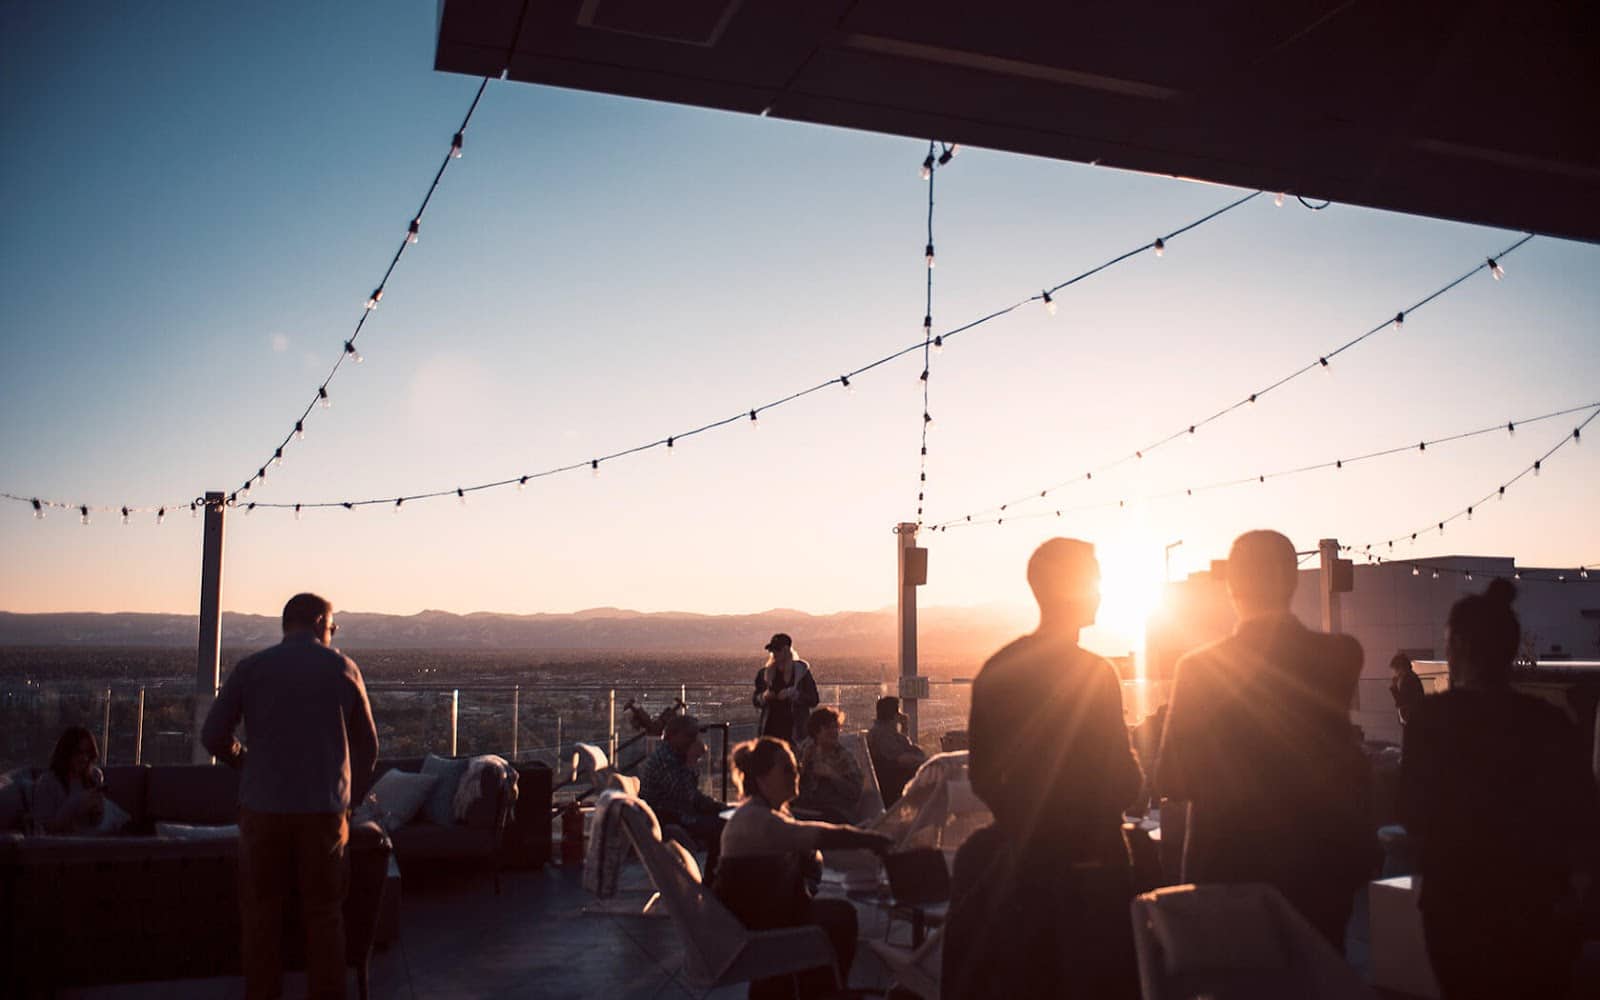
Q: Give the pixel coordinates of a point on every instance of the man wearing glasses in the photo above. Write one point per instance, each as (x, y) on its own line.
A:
(312, 746)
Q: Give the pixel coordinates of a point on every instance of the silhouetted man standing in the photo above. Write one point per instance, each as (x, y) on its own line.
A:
(1040, 899)
(1258, 740)
(311, 742)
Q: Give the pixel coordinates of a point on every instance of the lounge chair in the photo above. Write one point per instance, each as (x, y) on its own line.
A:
(1238, 942)
(718, 950)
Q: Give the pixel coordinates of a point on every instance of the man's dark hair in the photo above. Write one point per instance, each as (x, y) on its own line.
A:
(827, 715)
(303, 610)
(66, 746)
(676, 725)
(888, 708)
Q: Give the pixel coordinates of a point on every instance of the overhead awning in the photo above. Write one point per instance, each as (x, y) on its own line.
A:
(1477, 111)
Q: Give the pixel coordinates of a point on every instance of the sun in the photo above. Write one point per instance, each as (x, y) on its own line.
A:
(1130, 592)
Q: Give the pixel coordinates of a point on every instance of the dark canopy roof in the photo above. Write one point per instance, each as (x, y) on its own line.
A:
(1481, 111)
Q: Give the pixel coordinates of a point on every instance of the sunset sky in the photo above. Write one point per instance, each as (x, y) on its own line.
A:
(200, 197)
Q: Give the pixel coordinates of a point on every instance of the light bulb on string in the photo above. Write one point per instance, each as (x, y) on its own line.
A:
(1583, 572)
(1323, 362)
(412, 230)
(1415, 571)
(1159, 246)
(297, 512)
(923, 378)
(323, 397)
(375, 298)
(1278, 200)
(194, 510)
(1511, 429)
(83, 514)
(844, 380)
(1516, 574)
(1495, 269)
(927, 167)
(125, 517)
(670, 449)
(1049, 303)
(1536, 469)
(1469, 513)
(1436, 574)
(249, 508)
(594, 467)
(261, 473)
(946, 156)
(927, 420)
(1399, 320)
(455, 146)
(299, 430)
(927, 328)
(461, 496)
(928, 252)
(938, 344)
(38, 510)
(277, 457)
(398, 503)
(1577, 435)
(351, 352)
(522, 484)
(161, 515)
(755, 424)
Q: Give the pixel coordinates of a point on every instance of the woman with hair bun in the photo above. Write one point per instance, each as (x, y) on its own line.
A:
(766, 855)
(1495, 790)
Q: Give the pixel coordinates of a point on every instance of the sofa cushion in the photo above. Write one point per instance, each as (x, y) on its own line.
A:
(206, 794)
(425, 841)
(397, 797)
(186, 831)
(441, 805)
(126, 785)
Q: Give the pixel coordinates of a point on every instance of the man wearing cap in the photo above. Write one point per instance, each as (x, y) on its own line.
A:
(785, 692)
(1259, 742)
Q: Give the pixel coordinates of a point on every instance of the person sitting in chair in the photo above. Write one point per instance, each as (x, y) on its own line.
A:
(669, 781)
(894, 757)
(765, 853)
(830, 779)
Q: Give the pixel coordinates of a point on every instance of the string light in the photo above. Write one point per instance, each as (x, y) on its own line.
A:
(375, 298)
(398, 503)
(1318, 363)
(83, 514)
(1049, 303)
(594, 467)
(1495, 269)
(1259, 478)
(1399, 320)
(938, 344)
(354, 355)
(948, 154)
(299, 431)
(412, 230)
(1160, 246)
(323, 397)
(456, 142)
(754, 423)
(277, 457)
(929, 253)
(38, 509)
(125, 515)
(927, 168)
(161, 516)
(461, 496)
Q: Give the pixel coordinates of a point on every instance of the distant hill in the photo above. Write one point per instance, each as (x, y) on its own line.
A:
(945, 633)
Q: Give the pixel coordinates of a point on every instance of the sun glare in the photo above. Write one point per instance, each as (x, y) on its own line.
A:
(1130, 590)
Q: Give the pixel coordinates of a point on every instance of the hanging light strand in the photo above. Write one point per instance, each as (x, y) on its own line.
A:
(1438, 526)
(1187, 430)
(1006, 516)
(845, 380)
(931, 166)
(348, 352)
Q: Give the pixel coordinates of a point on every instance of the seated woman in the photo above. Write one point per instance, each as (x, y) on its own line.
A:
(765, 851)
(67, 798)
(830, 779)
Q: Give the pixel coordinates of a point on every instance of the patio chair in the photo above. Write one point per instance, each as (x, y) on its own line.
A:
(717, 949)
(1234, 942)
(915, 970)
(871, 805)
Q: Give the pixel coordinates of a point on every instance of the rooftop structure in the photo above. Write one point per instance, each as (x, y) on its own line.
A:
(1456, 111)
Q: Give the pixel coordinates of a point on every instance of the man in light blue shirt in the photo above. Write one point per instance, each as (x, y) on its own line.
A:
(310, 752)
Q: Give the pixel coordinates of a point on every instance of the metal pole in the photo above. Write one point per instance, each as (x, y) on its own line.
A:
(516, 700)
(105, 732)
(558, 742)
(138, 731)
(906, 542)
(611, 696)
(208, 658)
(455, 707)
(1328, 549)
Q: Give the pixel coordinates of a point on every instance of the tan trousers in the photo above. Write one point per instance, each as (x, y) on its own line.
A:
(278, 851)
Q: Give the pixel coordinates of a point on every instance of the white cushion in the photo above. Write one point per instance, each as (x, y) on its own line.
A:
(396, 798)
(440, 805)
(1217, 928)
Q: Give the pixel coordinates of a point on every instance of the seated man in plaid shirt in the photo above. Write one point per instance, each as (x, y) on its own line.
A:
(669, 780)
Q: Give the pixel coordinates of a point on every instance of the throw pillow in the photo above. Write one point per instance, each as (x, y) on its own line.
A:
(396, 799)
(113, 818)
(188, 831)
(441, 804)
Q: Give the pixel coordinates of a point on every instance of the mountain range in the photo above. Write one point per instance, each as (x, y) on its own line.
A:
(944, 633)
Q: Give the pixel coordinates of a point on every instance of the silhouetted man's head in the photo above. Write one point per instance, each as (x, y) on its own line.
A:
(308, 614)
(680, 731)
(1065, 577)
(888, 708)
(1262, 573)
(1399, 663)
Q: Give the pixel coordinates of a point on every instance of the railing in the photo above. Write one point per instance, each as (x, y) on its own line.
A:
(152, 722)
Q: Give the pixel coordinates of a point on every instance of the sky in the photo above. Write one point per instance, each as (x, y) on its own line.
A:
(201, 196)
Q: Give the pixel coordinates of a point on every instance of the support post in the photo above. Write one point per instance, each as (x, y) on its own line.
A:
(455, 710)
(208, 658)
(1328, 549)
(105, 732)
(516, 707)
(611, 725)
(912, 573)
(138, 731)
